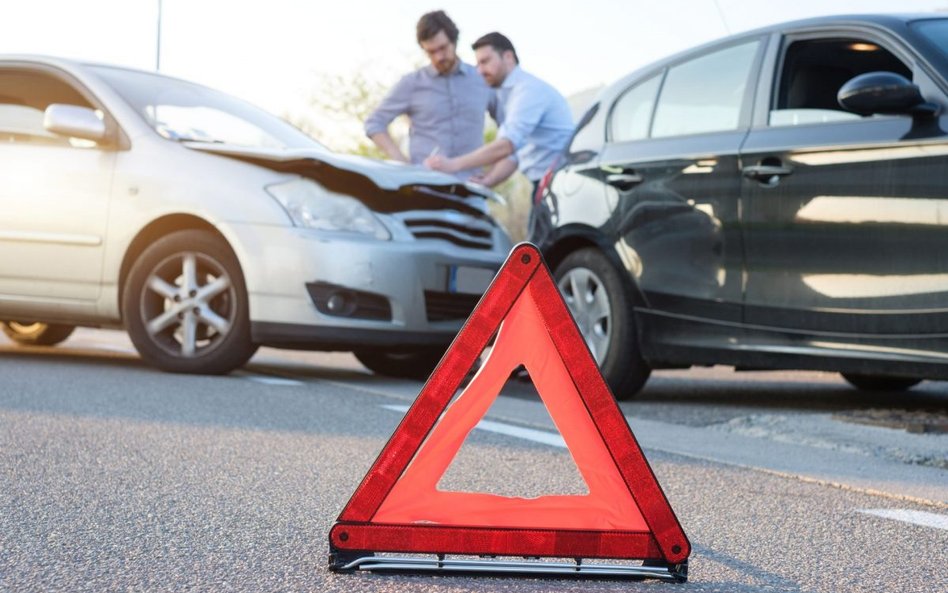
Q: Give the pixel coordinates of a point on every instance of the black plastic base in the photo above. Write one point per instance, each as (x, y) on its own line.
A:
(351, 561)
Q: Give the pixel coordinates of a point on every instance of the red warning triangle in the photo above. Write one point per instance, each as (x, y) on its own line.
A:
(398, 507)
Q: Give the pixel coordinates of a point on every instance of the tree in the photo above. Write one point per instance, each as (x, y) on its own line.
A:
(346, 101)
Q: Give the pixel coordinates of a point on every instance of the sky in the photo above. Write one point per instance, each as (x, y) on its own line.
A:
(276, 53)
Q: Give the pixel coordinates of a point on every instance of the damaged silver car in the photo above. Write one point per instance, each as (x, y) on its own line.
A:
(208, 227)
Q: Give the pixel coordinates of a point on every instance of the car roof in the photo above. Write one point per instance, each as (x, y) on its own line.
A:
(840, 19)
(73, 64)
(897, 23)
(887, 21)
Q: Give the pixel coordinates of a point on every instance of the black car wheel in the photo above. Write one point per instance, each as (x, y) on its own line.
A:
(185, 305)
(600, 304)
(880, 382)
(36, 333)
(408, 364)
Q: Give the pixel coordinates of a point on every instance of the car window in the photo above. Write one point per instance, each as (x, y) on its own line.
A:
(633, 111)
(24, 97)
(935, 31)
(184, 111)
(705, 94)
(814, 70)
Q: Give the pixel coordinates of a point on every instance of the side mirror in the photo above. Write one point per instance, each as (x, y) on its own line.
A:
(74, 121)
(883, 93)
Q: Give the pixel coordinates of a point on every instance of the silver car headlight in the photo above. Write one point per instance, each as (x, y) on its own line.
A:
(312, 206)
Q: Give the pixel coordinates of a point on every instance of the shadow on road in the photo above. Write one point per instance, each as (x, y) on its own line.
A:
(128, 387)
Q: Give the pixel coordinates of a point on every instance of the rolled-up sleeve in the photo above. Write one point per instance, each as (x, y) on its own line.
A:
(523, 112)
(395, 103)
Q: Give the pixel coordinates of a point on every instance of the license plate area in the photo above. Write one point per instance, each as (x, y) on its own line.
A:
(469, 279)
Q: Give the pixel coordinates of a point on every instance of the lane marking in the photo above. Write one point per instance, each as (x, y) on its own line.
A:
(109, 347)
(275, 381)
(529, 434)
(906, 516)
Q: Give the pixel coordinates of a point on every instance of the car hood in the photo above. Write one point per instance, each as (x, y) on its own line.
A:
(383, 185)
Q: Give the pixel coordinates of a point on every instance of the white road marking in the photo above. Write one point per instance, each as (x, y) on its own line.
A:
(915, 517)
(529, 434)
(275, 381)
(115, 348)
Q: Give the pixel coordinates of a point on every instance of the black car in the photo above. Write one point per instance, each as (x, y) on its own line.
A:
(774, 200)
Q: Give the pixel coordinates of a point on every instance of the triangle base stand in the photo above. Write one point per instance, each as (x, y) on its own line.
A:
(348, 562)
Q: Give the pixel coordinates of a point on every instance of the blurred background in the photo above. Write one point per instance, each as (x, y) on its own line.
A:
(324, 65)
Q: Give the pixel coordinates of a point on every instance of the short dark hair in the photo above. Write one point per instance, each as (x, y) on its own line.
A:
(499, 42)
(431, 23)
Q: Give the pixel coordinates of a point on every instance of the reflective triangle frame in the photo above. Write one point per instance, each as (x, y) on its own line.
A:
(662, 546)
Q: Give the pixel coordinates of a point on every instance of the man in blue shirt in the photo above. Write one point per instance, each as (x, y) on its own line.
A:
(535, 120)
(445, 101)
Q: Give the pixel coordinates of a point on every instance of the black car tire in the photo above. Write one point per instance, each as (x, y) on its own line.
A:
(36, 333)
(601, 304)
(185, 305)
(407, 364)
(880, 382)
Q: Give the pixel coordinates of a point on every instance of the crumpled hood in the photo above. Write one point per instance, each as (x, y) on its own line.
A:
(385, 174)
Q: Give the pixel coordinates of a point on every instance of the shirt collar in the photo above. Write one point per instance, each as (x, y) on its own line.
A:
(460, 68)
(512, 78)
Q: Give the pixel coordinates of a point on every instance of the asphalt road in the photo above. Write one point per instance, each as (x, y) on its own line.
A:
(114, 476)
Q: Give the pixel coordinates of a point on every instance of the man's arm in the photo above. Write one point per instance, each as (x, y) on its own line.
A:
(497, 150)
(524, 110)
(499, 173)
(395, 103)
(385, 143)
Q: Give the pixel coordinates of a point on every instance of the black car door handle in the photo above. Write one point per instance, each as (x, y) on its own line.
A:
(623, 181)
(767, 174)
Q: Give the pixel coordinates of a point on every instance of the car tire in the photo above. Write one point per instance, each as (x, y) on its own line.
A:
(36, 333)
(601, 305)
(407, 364)
(880, 382)
(185, 305)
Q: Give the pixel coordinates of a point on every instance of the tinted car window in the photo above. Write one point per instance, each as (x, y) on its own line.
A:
(813, 72)
(705, 94)
(633, 111)
(935, 31)
(24, 97)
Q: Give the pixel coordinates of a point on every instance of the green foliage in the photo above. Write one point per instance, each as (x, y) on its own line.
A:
(347, 100)
(515, 213)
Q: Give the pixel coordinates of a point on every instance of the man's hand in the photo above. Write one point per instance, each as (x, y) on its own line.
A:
(440, 163)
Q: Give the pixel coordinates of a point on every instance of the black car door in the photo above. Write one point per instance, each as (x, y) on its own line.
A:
(845, 215)
(670, 168)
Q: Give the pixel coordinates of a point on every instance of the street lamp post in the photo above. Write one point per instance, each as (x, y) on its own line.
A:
(158, 43)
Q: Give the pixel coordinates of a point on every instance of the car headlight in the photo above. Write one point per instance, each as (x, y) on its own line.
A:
(312, 206)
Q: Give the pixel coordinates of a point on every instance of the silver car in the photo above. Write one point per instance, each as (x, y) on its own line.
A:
(208, 227)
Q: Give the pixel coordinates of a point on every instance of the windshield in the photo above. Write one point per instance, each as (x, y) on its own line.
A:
(936, 32)
(185, 111)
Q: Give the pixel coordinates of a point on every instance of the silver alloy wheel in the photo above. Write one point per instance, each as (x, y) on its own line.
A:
(588, 301)
(188, 304)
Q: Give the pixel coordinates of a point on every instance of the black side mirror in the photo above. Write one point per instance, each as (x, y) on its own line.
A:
(885, 93)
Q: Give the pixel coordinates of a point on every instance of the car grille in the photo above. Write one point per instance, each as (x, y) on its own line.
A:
(448, 306)
(453, 227)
